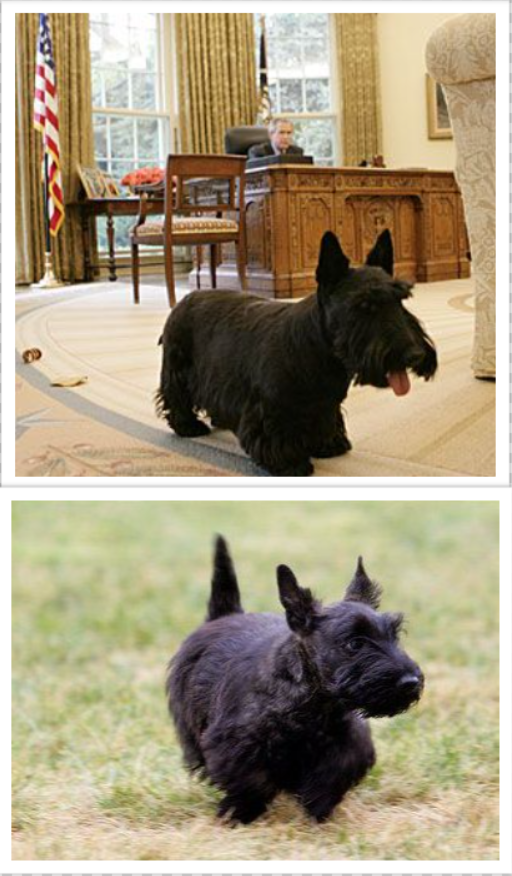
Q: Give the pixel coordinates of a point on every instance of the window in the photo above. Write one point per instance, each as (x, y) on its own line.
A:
(300, 79)
(131, 125)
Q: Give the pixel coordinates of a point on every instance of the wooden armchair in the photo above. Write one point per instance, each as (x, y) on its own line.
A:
(189, 223)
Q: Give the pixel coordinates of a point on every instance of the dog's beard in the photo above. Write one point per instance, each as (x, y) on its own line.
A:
(382, 359)
(383, 366)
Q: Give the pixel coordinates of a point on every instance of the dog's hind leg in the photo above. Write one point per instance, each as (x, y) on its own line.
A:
(173, 398)
(236, 765)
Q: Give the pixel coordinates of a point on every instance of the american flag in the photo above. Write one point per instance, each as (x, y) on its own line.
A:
(264, 106)
(46, 120)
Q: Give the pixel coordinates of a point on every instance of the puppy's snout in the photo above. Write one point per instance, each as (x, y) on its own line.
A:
(411, 684)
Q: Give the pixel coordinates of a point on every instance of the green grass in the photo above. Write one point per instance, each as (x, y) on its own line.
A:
(104, 592)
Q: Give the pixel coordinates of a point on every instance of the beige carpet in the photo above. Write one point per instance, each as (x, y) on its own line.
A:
(445, 428)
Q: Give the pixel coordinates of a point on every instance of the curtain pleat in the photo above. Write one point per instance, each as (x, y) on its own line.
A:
(70, 36)
(358, 65)
(216, 77)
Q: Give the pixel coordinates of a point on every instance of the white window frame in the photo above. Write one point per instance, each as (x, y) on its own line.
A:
(164, 94)
(167, 99)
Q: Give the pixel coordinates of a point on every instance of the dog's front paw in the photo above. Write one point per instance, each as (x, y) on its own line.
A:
(337, 447)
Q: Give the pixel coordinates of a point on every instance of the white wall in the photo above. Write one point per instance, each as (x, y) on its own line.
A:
(402, 40)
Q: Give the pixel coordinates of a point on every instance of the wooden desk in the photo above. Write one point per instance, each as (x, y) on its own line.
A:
(288, 208)
(90, 208)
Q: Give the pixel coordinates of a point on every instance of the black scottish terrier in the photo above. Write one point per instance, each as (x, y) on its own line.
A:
(275, 373)
(263, 704)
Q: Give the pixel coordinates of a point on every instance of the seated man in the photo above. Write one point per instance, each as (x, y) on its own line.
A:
(281, 134)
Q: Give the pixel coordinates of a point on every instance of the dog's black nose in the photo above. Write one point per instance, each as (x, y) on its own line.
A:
(410, 684)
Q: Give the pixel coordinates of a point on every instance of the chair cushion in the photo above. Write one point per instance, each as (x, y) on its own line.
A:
(188, 225)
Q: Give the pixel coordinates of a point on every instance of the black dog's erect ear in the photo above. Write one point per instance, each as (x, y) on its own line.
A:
(332, 263)
(381, 256)
(297, 601)
(362, 588)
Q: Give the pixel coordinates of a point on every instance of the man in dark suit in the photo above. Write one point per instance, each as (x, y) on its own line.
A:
(280, 132)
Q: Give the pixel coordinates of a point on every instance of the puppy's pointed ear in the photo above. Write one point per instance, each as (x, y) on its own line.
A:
(381, 256)
(297, 601)
(332, 263)
(362, 588)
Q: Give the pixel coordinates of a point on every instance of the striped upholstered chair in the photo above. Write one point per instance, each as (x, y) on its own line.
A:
(188, 223)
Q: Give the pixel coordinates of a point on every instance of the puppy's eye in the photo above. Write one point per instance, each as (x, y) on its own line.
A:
(354, 645)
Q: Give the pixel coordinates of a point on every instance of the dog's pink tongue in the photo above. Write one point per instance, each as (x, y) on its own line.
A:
(399, 382)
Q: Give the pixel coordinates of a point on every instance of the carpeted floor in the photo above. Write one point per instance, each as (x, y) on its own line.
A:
(107, 427)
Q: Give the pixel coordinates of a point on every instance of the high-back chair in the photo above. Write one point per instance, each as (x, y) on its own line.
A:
(186, 222)
(461, 56)
(238, 141)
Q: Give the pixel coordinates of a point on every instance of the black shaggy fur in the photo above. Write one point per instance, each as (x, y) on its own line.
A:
(264, 704)
(276, 373)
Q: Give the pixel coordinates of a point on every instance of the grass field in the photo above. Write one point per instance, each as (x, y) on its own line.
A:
(103, 593)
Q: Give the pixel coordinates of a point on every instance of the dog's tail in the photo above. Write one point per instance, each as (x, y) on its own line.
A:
(225, 595)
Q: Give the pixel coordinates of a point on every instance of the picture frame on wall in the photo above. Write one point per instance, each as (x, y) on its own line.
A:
(439, 124)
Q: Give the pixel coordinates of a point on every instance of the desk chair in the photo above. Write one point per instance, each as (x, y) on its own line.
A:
(238, 141)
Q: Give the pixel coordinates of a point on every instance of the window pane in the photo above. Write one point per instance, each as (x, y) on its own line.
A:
(116, 89)
(273, 95)
(143, 21)
(291, 95)
(143, 49)
(317, 95)
(314, 25)
(122, 225)
(316, 136)
(121, 138)
(143, 91)
(97, 90)
(287, 55)
(148, 140)
(284, 26)
(316, 57)
(100, 136)
(119, 169)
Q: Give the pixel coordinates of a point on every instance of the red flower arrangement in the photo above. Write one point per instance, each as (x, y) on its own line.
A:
(143, 177)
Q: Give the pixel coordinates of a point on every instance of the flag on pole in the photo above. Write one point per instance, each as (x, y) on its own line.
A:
(46, 120)
(264, 106)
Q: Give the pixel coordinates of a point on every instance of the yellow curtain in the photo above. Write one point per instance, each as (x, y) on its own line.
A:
(216, 77)
(358, 63)
(70, 35)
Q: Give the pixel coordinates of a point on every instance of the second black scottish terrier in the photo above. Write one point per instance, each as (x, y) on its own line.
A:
(263, 704)
(275, 373)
